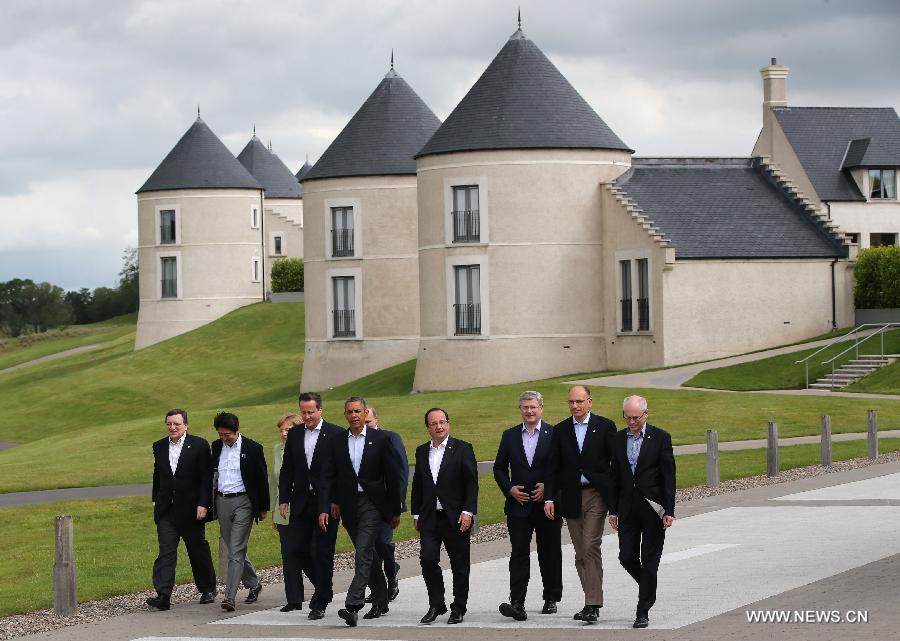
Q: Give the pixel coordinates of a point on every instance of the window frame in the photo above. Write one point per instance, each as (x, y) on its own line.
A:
(479, 182)
(341, 203)
(254, 217)
(179, 280)
(158, 220)
(634, 260)
(464, 260)
(330, 276)
(871, 184)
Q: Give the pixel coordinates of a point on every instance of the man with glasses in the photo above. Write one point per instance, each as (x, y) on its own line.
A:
(579, 476)
(641, 499)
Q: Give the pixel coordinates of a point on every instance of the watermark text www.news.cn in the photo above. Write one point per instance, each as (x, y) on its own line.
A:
(807, 616)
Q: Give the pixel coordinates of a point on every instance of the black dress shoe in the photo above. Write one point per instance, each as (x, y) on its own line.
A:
(349, 616)
(368, 598)
(315, 614)
(292, 606)
(549, 607)
(207, 597)
(376, 611)
(433, 613)
(253, 595)
(228, 605)
(641, 620)
(456, 616)
(588, 614)
(159, 602)
(514, 610)
(393, 589)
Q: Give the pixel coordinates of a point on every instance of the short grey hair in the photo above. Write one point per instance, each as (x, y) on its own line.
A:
(531, 395)
(642, 402)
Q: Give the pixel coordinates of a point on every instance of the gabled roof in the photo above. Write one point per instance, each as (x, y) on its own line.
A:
(382, 137)
(522, 101)
(822, 137)
(267, 168)
(199, 161)
(723, 208)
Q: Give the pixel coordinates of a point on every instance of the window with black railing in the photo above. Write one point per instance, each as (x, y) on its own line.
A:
(643, 301)
(468, 318)
(341, 232)
(625, 302)
(466, 219)
(344, 322)
(167, 227)
(343, 315)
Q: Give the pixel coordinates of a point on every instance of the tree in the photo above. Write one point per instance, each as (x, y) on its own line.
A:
(877, 278)
(287, 275)
(80, 303)
(46, 306)
(128, 281)
(13, 308)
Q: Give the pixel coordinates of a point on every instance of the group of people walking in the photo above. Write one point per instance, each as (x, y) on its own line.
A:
(581, 469)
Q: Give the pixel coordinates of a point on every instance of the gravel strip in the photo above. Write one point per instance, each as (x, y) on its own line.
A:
(94, 611)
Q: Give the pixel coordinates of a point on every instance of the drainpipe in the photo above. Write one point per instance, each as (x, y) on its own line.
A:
(833, 297)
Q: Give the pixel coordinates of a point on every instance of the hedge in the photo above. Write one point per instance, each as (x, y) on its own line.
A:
(877, 278)
(287, 275)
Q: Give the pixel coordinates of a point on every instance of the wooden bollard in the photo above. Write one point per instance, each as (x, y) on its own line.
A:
(712, 458)
(64, 595)
(873, 434)
(826, 441)
(772, 450)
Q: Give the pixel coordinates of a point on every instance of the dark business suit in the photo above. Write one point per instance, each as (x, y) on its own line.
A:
(309, 547)
(583, 504)
(175, 501)
(385, 542)
(641, 532)
(457, 490)
(511, 468)
(236, 514)
(363, 511)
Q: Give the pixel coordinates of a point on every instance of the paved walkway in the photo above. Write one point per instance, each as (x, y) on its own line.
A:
(728, 558)
(51, 357)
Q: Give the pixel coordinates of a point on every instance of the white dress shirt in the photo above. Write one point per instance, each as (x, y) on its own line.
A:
(175, 452)
(230, 479)
(435, 458)
(356, 445)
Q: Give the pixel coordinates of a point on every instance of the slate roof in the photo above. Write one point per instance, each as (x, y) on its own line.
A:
(382, 137)
(821, 137)
(301, 174)
(522, 101)
(267, 168)
(199, 161)
(723, 208)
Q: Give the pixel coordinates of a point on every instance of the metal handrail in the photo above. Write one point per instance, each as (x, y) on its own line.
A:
(882, 327)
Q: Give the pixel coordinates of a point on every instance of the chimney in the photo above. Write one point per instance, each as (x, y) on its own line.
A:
(774, 86)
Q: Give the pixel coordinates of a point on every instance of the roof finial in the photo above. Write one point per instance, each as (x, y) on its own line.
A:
(307, 156)
(254, 130)
(270, 144)
(520, 16)
(198, 111)
(392, 57)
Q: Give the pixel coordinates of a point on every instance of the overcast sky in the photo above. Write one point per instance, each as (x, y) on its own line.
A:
(94, 93)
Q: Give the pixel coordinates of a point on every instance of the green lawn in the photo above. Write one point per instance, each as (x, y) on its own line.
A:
(26, 348)
(782, 372)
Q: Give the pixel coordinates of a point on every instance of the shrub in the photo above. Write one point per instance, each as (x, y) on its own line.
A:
(287, 275)
(877, 278)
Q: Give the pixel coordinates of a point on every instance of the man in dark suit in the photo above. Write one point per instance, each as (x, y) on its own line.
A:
(361, 475)
(242, 496)
(641, 499)
(298, 487)
(385, 542)
(182, 483)
(520, 469)
(579, 481)
(444, 502)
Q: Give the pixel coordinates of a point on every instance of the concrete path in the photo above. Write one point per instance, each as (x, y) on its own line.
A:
(51, 357)
(821, 553)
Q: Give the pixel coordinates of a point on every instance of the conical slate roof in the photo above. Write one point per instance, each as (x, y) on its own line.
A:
(267, 168)
(382, 137)
(199, 161)
(301, 174)
(522, 101)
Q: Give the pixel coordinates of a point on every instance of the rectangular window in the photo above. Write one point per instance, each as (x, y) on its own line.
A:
(166, 226)
(643, 269)
(255, 269)
(341, 231)
(882, 183)
(882, 240)
(853, 237)
(277, 244)
(344, 301)
(468, 299)
(625, 301)
(254, 218)
(466, 221)
(168, 269)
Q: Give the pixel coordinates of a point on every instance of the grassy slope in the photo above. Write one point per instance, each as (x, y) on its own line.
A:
(782, 372)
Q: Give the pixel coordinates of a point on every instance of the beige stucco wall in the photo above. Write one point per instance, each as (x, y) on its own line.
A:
(385, 265)
(540, 255)
(215, 249)
(717, 308)
(865, 218)
(773, 143)
(284, 217)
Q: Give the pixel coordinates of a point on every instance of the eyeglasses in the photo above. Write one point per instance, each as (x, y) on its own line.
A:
(440, 422)
(579, 401)
(634, 418)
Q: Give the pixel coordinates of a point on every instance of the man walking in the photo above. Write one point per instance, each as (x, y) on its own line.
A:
(641, 499)
(444, 502)
(182, 484)
(242, 496)
(520, 470)
(579, 476)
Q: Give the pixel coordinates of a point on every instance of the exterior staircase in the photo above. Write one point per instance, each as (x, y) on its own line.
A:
(854, 370)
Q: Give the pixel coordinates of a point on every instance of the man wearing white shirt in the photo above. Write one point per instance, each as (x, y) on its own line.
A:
(444, 502)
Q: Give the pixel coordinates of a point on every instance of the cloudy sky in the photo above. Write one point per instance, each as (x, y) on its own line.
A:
(94, 93)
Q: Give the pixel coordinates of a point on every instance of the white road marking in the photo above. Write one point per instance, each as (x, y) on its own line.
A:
(700, 550)
(885, 487)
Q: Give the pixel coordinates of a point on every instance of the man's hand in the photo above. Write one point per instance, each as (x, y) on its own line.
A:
(668, 520)
(274, 524)
(614, 522)
(518, 494)
(201, 512)
(262, 515)
(465, 522)
(548, 510)
(283, 508)
(323, 521)
(395, 521)
(537, 494)
(335, 511)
